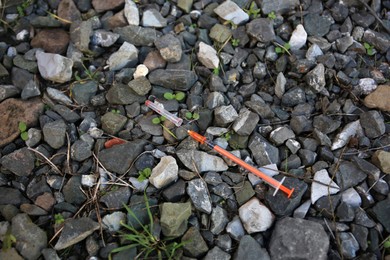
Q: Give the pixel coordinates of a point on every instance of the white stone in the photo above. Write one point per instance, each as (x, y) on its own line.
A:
(342, 138)
(165, 172)
(152, 18)
(88, 180)
(280, 86)
(131, 12)
(255, 216)
(54, 67)
(230, 11)
(313, 52)
(351, 197)
(141, 71)
(270, 170)
(366, 86)
(125, 55)
(113, 221)
(199, 161)
(293, 145)
(58, 96)
(207, 55)
(298, 38)
(139, 185)
(322, 186)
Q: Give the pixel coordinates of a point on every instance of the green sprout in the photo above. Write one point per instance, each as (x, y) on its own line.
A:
(369, 49)
(158, 120)
(144, 174)
(8, 240)
(283, 48)
(235, 42)
(231, 23)
(253, 10)
(23, 131)
(115, 111)
(227, 136)
(192, 116)
(272, 15)
(22, 7)
(179, 96)
(58, 219)
(216, 71)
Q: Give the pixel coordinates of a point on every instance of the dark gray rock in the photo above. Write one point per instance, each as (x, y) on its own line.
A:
(345, 212)
(281, 134)
(263, 152)
(261, 29)
(339, 11)
(72, 191)
(82, 92)
(169, 47)
(315, 79)
(175, 192)
(360, 233)
(224, 115)
(195, 245)
(217, 253)
(262, 109)
(235, 229)
(174, 217)
(316, 25)
(80, 151)
(250, 249)
(104, 38)
(344, 43)
(138, 207)
(381, 211)
(327, 205)
(278, 6)
(348, 175)
(246, 122)
(326, 124)
(349, 245)
(54, 133)
(137, 35)
(294, 97)
(362, 219)
(219, 219)
(30, 90)
(10, 196)
(66, 113)
(243, 192)
(20, 162)
(363, 19)
(173, 79)
(223, 190)
(301, 124)
(311, 241)
(75, 230)
(80, 33)
(117, 198)
(377, 39)
(112, 123)
(7, 91)
(30, 239)
(121, 94)
(198, 193)
(372, 123)
(307, 157)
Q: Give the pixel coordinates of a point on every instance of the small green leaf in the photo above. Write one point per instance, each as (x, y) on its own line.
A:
(24, 136)
(147, 171)
(179, 96)
(278, 50)
(22, 126)
(370, 52)
(287, 46)
(163, 118)
(188, 115)
(156, 121)
(216, 71)
(195, 116)
(141, 178)
(387, 244)
(367, 46)
(168, 96)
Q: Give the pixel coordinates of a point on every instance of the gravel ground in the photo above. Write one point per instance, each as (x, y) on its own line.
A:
(298, 89)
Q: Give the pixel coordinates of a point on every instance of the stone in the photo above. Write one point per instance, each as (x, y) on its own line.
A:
(261, 29)
(49, 253)
(219, 219)
(83, 92)
(185, 5)
(349, 245)
(54, 67)
(379, 40)
(366, 86)
(379, 98)
(298, 38)
(316, 25)
(198, 193)
(255, 216)
(58, 96)
(139, 36)
(7, 91)
(80, 151)
(278, 6)
(173, 79)
(281, 134)
(230, 11)
(20, 162)
(105, 38)
(141, 71)
(263, 152)
(125, 153)
(280, 85)
(80, 34)
(113, 221)
(66, 113)
(372, 123)
(220, 33)
(293, 97)
(30, 239)
(51, 40)
(207, 55)
(199, 161)
(164, 173)
(174, 218)
(194, 245)
(54, 133)
(75, 230)
(154, 61)
(68, 10)
(311, 241)
(127, 55)
(72, 191)
(249, 248)
(32, 210)
(121, 94)
(131, 12)
(246, 122)
(235, 229)
(140, 85)
(360, 233)
(46, 201)
(11, 253)
(112, 123)
(10, 196)
(313, 52)
(348, 175)
(153, 18)
(381, 211)
(315, 79)
(344, 43)
(169, 47)
(351, 197)
(217, 253)
(302, 210)
(224, 115)
(21, 62)
(382, 160)
(349, 130)
(138, 207)
(322, 186)
(243, 192)
(30, 90)
(102, 5)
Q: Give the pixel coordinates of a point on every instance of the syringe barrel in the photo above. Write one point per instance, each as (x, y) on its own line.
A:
(160, 110)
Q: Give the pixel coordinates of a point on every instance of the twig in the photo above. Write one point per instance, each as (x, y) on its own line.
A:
(47, 159)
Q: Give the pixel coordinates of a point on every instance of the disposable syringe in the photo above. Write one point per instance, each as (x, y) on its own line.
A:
(159, 108)
(271, 181)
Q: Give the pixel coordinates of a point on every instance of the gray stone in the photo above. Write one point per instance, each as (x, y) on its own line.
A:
(112, 123)
(246, 122)
(311, 241)
(315, 79)
(185, 5)
(361, 218)
(50, 254)
(294, 97)
(351, 197)
(260, 70)
(54, 133)
(298, 38)
(349, 245)
(58, 96)
(30, 90)
(262, 109)
(348, 174)
(54, 67)
(10, 196)
(66, 113)
(124, 153)
(302, 210)
(72, 191)
(30, 239)
(377, 39)
(75, 230)
(344, 43)
(30, 66)
(229, 10)
(198, 193)
(121, 94)
(199, 161)
(219, 219)
(214, 99)
(217, 253)
(316, 25)
(80, 33)
(147, 125)
(372, 123)
(113, 221)
(307, 157)
(249, 248)
(82, 92)
(261, 29)
(116, 198)
(220, 33)
(7, 91)
(127, 55)
(349, 130)
(173, 79)
(194, 246)
(105, 38)
(165, 172)
(80, 151)
(34, 137)
(281, 134)
(3, 71)
(366, 86)
(131, 12)
(137, 35)
(20, 162)
(243, 192)
(255, 216)
(280, 85)
(278, 6)
(360, 233)
(32, 210)
(207, 55)
(381, 211)
(235, 229)
(10, 253)
(174, 217)
(345, 212)
(263, 152)
(313, 52)
(326, 124)
(153, 18)
(224, 115)
(382, 160)
(322, 186)
(140, 85)
(169, 47)
(293, 145)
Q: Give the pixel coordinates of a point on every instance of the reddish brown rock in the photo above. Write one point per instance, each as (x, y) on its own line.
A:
(67, 10)
(51, 40)
(118, 20)
(104, 5)
(380, 98)
(45, 201)
(13, 111)
(154, 61)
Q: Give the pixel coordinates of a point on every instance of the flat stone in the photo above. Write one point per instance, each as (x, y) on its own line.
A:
(82, 92)
(246, 122)
(51, 40)
(379, 98)
(381, 211)
(80, 150)
(372, 123)
(20, 162)
(322, 186)
(195, 245)
(278, 6)
(80, 34)
(263, 152)
(165, 172)
(235, 229)
(311, 240)
(173, 79)
(169, 47)
(249, 248)
(137, 35)
(217, 253)
(72, 191)
(127, 55)
(32, 210)
(105, 38)
(30, 239)
(199, 161)
(349, 130)
(131, 12)
(185, 5)
(54, 67)
(316, 25)
(75, 230)
(54, 133)
(102, 5)
(197, 190)
(138, 207)
(219, 219)
(113, 221)
(207, 55)
(220, 33)
(154, 61)
(121, 94)
(153, 18)
(7, 91)
(349, 245)
(351, 197)
(224, 115)
(58, 96)
(255, 216)
(382, 160)
(230, 11)
(68, 10)
(45, 201)
(117, 21)
(174, 217)
(281, 134)
(261, 29)
(348, 175)
(112, 123)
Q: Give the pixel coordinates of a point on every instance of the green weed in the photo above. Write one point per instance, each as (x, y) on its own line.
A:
(179, 96)
(369, 49)
(144, 174)
(253, 11)
(272, 15)
(23, 131)
(235, 42)
(281, 49)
